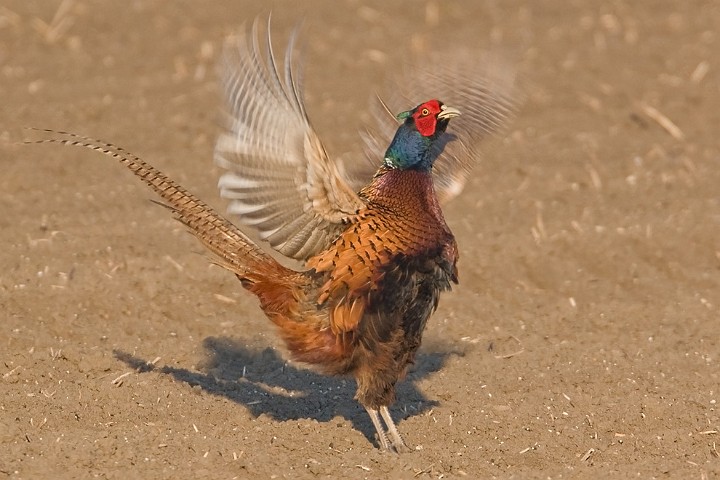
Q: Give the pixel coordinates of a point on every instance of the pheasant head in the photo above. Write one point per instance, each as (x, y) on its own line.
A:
(411, 148)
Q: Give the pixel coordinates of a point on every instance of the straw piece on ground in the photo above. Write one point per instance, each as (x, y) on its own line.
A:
(663, 121)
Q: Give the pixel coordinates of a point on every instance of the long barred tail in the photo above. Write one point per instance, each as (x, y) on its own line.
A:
(235, 250)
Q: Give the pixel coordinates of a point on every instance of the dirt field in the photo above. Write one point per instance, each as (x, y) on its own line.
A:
(582, 341)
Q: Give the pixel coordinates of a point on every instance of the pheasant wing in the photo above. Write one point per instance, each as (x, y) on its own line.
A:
(279, 179)
(482, 87)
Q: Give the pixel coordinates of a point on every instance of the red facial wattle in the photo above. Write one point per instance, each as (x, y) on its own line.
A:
(425, 117)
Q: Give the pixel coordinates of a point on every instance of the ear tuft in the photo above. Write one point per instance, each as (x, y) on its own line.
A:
(403, 115)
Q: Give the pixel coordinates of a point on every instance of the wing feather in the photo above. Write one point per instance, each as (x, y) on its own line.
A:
(279, 179)
(481, 86)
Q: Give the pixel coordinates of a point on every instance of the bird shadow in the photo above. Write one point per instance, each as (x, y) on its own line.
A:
(265, 383)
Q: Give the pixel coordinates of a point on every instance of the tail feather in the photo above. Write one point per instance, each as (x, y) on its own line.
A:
(236, 252)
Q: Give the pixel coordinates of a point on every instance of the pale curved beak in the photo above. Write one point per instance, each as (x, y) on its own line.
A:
(448, 112)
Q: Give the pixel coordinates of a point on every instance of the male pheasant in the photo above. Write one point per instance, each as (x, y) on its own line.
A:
(376, 260)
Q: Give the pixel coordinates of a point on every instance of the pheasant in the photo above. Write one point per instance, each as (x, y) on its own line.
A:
(376, 258)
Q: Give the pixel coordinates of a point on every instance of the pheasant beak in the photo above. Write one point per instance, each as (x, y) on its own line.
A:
(448, 112)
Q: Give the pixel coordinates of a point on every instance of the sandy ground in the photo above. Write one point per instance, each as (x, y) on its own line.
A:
(581, 343)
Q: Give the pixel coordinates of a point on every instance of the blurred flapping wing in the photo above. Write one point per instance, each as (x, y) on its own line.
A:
(481, 86)
(279, 179)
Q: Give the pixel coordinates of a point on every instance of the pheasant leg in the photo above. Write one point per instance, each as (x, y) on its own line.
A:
(395, 442)
(382, 435)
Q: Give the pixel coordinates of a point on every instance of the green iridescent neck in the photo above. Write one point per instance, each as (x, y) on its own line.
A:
(409, 150)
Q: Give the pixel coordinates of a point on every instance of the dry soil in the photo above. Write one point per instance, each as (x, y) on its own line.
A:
(582, 341)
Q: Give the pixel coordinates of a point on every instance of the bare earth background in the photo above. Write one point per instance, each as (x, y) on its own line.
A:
(581, 343)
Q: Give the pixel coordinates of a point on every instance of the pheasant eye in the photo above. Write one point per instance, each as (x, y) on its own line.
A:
(424, 112)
